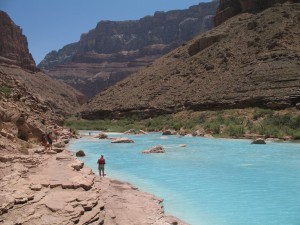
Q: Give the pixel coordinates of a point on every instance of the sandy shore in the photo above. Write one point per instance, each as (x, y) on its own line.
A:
(53, 187)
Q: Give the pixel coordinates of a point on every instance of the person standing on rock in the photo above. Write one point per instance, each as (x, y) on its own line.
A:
(101, 164)
(49, 139)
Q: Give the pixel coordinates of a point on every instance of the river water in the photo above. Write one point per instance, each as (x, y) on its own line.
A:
(210, 181)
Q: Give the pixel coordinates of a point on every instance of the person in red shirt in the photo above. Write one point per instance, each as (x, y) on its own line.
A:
(101, 163)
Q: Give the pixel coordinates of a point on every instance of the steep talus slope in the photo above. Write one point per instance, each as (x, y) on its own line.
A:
(115, 49)
(30, 100)
(249, 60)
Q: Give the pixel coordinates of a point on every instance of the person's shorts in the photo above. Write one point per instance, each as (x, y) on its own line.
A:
(100, 167)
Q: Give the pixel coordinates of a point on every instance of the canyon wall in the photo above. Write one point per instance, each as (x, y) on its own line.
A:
(116, 49)
(250, 60)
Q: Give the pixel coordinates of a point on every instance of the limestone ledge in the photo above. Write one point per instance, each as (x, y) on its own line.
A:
(56, 188)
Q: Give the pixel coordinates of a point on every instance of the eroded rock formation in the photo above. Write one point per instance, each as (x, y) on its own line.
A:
(30, 101)
(115, 49)
(230, 8)
(13, 45)
(251, 60)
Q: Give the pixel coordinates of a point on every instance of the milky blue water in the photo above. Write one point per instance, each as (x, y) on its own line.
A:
(209, 182)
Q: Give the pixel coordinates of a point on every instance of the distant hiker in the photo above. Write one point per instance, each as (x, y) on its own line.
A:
(44, 141)
(49, 139)
(101, 163)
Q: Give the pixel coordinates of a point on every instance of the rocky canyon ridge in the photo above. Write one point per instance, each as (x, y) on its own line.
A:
(29, 99)
(249, 60)
(115, 49)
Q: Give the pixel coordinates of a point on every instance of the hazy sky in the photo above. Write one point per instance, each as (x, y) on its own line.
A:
(51, 24)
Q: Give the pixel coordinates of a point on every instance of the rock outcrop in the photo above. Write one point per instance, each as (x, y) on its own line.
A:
(155, 149)
(30, 101)
(13, 45)
(122, 140)
(251, 60)
(41, 188)
(80, 153)
(230, 8)
(258, 141)
(115, 49)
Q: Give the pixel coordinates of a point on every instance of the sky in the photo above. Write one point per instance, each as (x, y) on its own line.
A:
(51, 24)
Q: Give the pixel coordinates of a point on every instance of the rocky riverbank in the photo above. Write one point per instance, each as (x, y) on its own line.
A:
(53, 187)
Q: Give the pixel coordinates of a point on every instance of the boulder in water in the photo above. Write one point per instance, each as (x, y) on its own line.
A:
(122, 140)
(258, 141)
(155, 149)
(80, 153)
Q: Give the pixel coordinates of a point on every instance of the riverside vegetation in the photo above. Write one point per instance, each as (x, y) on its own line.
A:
(233, 123)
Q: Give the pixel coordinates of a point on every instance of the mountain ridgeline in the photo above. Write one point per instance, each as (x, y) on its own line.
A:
(249, 60)
(116, 49)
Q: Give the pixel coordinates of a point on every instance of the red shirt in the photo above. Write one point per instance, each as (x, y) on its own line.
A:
(101, 161)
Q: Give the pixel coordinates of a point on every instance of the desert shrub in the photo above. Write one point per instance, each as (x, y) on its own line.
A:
(191, 123)
(5, 91)
(234, 120)
(233, 123)
(220, 119)
(283, 121)
(270, 130)
(296, 135)
(295, 122)
(214, 126)
(262, 113)
(235, 130)
(202, 118)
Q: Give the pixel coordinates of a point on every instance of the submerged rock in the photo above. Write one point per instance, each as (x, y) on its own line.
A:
(122, 140)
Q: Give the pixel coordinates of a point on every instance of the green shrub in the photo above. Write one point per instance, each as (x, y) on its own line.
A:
(262, 113)
(270, 130)
(235, 130)
(214, 126)
(5, 91)
(295, 123)
(296, 135)
(202, 118)
(235, 122)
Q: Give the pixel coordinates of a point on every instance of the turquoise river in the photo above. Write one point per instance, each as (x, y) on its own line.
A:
(210, 181)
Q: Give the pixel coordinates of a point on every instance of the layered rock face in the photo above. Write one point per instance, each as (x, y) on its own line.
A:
(29, 100)
(251, 60)
(230, 8)
(113, 50)
(13, 45)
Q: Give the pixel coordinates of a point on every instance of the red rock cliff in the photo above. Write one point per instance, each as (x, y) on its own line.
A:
(13, 45)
